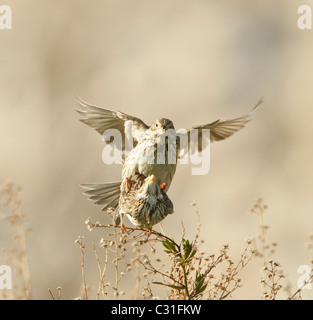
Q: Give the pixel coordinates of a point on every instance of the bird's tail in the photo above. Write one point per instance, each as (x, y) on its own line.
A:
(106, 195)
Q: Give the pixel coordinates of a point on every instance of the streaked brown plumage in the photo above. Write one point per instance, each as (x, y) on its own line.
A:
(145, 204)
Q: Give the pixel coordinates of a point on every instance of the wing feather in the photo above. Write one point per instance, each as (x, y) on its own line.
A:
(101, 119)
(106, 194)
(219, 130)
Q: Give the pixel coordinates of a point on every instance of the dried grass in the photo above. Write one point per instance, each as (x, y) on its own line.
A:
(151, 260)
(16, 257)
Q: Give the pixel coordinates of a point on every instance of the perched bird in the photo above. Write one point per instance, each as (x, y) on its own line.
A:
(145, 204)
(146, 140)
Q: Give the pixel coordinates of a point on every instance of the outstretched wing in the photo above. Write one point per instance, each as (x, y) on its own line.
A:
(106, 194)
(219, 130)
(103, 119)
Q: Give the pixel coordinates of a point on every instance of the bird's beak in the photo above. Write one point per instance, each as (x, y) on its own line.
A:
(151, 178)
(162, 130)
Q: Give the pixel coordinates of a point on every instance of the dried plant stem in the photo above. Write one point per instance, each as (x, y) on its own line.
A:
(116, 265)
(9, 194)
(299, 291)
(82, 250)
(235, 270)
(24, 256)
(51, 294)
(136, 263)
(101, 285)
(262, 237)
(189, 275)
(58, 289)
(263, 251)
(258, 208)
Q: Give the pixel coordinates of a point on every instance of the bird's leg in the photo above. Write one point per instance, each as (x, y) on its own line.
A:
(127, 184)
(163, 186)
(148, 233)
(123, 228)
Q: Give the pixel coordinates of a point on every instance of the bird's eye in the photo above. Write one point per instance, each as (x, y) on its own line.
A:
(157, 124)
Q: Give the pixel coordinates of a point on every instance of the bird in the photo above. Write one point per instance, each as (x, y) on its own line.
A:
(143, 154)
(145, 204)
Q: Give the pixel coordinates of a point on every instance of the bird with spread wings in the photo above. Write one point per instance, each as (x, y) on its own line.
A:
(145, 140)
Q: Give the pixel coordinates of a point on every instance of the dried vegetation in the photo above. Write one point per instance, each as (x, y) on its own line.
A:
(156, 265)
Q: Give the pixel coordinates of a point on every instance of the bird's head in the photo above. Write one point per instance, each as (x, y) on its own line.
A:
(160, 126)
(151, 187)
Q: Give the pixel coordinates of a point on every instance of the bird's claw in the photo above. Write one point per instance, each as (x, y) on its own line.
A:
(124, 232)
(163, 186)
(148, 233)
(127, 184)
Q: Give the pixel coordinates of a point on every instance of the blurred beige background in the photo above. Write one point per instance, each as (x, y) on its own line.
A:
(190, 61)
